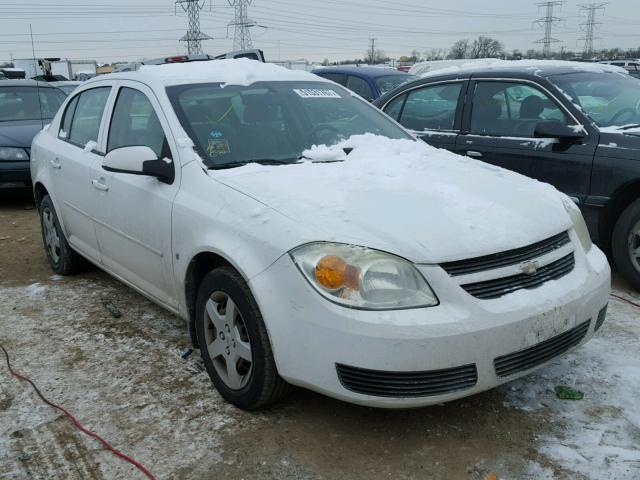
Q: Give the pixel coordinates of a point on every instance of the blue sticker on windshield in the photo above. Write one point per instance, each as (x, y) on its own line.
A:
(215, 133)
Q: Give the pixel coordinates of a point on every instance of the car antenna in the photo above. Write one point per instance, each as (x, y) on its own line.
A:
(35, 70)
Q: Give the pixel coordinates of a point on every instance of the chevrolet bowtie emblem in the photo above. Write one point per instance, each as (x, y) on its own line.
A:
(529, 268)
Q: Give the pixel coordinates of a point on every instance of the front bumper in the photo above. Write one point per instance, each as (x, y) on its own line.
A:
(11, 172)
(311, 336)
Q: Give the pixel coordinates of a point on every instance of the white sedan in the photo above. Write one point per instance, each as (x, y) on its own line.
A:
(309, 240)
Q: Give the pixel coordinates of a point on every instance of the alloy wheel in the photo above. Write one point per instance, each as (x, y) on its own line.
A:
(227, 341)
(51, 237)
(634, 246)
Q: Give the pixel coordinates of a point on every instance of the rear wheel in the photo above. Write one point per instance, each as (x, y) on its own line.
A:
(62, 258)
(234, 343)
(626, 244)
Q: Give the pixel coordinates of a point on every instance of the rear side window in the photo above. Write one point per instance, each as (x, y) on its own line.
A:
(431, 108)
(135, 122)
(394, 107)
(359, 86)
(65, 127)
(87, 109)
(339, 78)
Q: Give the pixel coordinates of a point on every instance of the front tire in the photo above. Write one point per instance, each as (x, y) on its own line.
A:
(234, 343)
(625, 244)
(62, 258)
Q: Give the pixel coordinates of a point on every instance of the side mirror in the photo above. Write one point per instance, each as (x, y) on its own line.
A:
(559, 130)
(139, 160)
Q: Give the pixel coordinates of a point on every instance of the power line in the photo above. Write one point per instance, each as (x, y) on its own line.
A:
(590, 26)
(194, 36)
(547, 22)
(241, 24)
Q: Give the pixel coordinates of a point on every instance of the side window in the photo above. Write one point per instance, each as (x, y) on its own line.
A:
(339, 78)
(511, 109)
(134, 122)
(359, 86)
(431, 108)
(87, 116)
(65, 125)
(394, 106)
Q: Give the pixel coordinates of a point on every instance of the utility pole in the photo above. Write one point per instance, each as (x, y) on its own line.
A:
(242, 23)
(372, 50)
(547, 22)
(590, 27)
(194, 36)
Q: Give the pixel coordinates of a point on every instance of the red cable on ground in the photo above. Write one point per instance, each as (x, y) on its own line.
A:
(625, 300)
(77, 424)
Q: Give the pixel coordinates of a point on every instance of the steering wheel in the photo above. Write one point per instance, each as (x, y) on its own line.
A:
(315, 132)
(622, 112)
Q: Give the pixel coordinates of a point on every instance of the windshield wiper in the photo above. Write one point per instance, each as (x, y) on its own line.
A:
(261, 161)
(633, 125)
(346, 150)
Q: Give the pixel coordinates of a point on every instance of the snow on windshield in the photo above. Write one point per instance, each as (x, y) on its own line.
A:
(241, 71)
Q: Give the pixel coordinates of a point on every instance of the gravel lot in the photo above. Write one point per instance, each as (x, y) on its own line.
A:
(124, 378)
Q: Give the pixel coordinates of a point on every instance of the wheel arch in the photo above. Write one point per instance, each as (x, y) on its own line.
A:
(39, 192)
(199, 266)
(620, 200)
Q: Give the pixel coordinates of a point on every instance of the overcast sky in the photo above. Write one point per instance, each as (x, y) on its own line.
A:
(110, 30)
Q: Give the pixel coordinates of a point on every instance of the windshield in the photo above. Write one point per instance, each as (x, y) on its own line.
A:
(67, 88)
(272, 121)
(610, 99)
(21, 103)
(389, 82)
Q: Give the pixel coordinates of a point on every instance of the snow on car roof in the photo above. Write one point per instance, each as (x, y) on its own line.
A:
(535, 66)
(241, 71)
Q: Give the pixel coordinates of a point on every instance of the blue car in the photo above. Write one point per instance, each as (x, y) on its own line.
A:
(368, 82)
(25, 107)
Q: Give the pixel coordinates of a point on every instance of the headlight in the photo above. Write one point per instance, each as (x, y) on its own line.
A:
(359, 277)
(12, 153)
(579, 224)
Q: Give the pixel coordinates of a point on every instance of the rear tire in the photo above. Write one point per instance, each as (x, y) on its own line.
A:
(63, 259)
(234, 343)
(625, 244)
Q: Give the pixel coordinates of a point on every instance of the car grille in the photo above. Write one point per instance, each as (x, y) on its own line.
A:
(501, 286)
(510, 257)
(407, 384)
(601, 316)
(519, 361)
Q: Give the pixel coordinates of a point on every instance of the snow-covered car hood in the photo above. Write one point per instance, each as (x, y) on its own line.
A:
(405, 197)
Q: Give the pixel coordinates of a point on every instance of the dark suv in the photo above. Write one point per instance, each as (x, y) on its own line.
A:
(573, 125)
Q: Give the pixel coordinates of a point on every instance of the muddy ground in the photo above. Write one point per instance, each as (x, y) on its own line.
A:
(125, 379)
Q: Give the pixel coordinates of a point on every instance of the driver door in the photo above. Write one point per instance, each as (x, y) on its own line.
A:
(499, 123)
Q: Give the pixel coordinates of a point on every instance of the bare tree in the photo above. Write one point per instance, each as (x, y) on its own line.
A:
(460, 49)
(486, 47)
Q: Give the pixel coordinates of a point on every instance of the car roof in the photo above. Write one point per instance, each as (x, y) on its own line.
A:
(364, 71)
(24, 83)
(240, 71)
(501, 68)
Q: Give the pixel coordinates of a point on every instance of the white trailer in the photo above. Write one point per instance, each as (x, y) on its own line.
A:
(32, 67)
(70, 68)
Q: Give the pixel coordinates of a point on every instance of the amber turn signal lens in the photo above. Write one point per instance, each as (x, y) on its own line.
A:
(333, 272)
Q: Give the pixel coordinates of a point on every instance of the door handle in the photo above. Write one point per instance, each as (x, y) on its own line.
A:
(474, 154)
(99, 185)
(55, 163)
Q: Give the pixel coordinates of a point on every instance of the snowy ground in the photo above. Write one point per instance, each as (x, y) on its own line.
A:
(124, 378)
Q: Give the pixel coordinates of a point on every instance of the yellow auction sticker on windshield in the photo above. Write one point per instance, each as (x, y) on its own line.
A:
(316, 93)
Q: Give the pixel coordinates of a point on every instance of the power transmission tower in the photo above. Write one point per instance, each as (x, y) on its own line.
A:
(590, 27)
(194, 36)
(548, 21)
(372, 50)
(242, 23)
